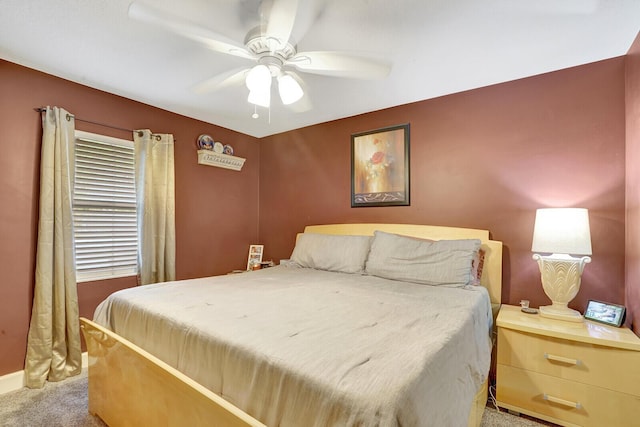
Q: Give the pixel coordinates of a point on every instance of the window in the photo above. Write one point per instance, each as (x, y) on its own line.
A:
(104, 208)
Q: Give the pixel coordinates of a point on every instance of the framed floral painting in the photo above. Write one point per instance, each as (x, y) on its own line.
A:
(380, 167)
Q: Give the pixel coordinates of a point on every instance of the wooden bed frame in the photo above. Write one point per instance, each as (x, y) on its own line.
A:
(130, 387)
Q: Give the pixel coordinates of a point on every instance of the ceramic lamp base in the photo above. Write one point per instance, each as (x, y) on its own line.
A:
(560, 313)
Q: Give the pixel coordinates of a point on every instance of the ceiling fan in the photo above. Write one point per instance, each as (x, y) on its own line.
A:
(269, 45)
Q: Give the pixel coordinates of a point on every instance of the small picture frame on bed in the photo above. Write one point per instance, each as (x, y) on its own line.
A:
(604, 312)
(380, 167)
(255, 256)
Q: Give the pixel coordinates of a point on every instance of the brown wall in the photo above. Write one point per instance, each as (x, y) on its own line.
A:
(216, 209)
(633, 184)
(486, 159)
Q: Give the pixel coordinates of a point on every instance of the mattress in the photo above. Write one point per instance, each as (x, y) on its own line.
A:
(304, 347)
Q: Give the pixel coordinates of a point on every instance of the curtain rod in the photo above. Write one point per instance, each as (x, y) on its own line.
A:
(69, 116)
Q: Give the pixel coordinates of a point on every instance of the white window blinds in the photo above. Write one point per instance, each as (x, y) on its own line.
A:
(104, 208)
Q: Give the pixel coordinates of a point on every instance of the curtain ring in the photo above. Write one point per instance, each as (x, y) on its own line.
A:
(140, 133)
(158, 137)
(69, 117)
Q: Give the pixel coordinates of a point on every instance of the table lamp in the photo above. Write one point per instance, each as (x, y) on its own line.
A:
(562, 239)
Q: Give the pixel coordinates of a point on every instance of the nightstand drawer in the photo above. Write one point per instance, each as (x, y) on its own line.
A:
(563, 401)
(606, 367)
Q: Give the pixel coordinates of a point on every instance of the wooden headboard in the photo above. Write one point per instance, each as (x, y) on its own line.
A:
(491, 273)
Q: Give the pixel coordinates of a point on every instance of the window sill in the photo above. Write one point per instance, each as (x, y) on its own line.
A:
(105, 276)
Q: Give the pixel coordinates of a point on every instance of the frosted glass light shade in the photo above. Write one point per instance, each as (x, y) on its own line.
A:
(290, 90)
(258, 78)
(562, 231)
(259, 83)
(260, 97)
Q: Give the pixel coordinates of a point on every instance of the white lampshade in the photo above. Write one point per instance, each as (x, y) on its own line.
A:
(562, 231)
(259, 83)
(260, 97)
(290, 90)
(258, 78)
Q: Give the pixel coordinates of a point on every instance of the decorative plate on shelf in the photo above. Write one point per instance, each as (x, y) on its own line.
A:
(228, 150)
(205, 142)
(218, 147)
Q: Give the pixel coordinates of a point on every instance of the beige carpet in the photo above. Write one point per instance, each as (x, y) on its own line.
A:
(64, 404)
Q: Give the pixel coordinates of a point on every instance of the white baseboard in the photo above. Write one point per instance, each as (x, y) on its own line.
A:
(11, 382)
(15, 380)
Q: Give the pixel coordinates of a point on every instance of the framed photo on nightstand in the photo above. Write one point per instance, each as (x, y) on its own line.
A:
(604, 312)
(255, 256)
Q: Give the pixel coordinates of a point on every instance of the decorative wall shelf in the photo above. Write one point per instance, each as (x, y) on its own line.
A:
(211, 158)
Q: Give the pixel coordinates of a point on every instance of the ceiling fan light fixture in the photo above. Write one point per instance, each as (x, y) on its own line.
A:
(258, 78)
(259, 83)
(289, 88)
(260, 97)
(271, 46)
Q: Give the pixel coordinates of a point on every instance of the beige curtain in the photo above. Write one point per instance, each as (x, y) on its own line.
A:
(53, 349)
(156, 206)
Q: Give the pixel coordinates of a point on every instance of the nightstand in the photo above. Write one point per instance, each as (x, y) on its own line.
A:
(584, 374)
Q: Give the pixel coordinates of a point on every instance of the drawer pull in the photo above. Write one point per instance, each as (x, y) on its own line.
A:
(562, 402)
(562, 359)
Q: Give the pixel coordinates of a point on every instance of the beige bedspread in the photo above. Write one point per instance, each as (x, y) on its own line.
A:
(301, 347)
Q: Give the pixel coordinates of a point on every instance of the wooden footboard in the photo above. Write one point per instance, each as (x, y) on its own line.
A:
(130, 387)
(478, 405)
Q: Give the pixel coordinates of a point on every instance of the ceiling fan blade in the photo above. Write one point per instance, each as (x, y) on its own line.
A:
(222, 80)
(214, 41)
(306, 15)
(280, 19)
(552, 7)
(340, 64)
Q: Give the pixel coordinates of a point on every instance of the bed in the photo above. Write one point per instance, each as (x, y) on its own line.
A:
(344, 334)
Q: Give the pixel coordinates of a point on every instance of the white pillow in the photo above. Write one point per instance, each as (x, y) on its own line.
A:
(429, 262)
(346, 254)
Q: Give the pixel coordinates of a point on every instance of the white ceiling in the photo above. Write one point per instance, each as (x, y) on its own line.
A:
(437, 47)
